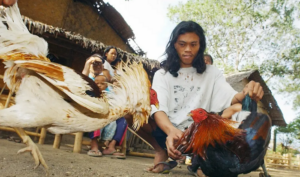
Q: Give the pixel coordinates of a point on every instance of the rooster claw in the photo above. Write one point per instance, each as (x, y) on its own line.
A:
(35, 152)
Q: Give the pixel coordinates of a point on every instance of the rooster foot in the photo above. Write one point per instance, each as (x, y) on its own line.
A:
(35, 152)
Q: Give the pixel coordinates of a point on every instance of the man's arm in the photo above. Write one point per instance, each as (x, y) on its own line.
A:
(173, 134)
(254, 89)
(87, 65)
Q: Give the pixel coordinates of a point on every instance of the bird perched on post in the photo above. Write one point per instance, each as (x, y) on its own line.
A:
(52, 95)
(224, 150)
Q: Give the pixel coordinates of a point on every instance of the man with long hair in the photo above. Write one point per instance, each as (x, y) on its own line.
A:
(185, 83)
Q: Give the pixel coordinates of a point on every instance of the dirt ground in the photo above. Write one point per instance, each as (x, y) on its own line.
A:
(62, 162)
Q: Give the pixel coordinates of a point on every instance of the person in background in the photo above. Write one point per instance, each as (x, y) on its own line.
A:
(94, 66)
(108, 132)
(208, 59)
(111, 60)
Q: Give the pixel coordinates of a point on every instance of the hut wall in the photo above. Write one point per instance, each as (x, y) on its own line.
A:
(73, 16)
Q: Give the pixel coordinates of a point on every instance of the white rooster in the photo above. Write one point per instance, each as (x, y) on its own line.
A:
(52, 95)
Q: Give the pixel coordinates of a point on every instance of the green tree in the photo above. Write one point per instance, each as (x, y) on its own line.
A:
(288, 134)
(250, 34)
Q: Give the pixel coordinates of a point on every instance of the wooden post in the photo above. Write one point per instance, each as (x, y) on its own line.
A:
(8, 98)
(57, 140)
(290, 160)
(265, 159)
(274, 141)
(13, 130)
(298, 159)
(78, 141)
(42, 135)
(3, 89)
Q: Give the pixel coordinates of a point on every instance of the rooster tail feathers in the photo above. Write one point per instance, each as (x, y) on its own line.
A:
(132, 95)
(15, 37)
(14, 19)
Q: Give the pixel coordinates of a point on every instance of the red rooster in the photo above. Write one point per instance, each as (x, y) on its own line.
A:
(223, 150)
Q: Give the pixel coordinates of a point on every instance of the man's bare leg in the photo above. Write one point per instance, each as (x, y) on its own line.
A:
(146, 132)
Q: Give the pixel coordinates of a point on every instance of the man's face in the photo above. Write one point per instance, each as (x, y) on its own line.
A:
(187, 47)
(101, 82)
(207, 60)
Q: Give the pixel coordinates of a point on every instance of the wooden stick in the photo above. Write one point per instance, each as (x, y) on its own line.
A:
(133, 132)
(13, 130)
(142, 154)
(8, 97)
(3, 89)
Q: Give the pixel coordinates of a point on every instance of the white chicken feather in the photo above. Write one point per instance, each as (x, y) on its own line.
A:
(52, 95)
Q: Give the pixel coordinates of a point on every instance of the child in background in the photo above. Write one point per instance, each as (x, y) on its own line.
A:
(108, 132)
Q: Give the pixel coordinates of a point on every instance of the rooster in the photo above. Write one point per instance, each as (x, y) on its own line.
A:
(223, 150)
(54, 96)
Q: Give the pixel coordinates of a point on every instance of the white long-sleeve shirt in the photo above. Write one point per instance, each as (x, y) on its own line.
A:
(178, 96)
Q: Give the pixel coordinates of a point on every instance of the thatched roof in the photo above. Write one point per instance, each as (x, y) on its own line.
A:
(268, 99)
(48, 31)
(115, 20)
(112, 16)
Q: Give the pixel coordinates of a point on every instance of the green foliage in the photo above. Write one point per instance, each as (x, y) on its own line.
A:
(251, 34)
(283, 150)
(291, 130)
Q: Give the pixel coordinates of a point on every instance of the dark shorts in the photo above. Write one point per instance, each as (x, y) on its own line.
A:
(160, 137)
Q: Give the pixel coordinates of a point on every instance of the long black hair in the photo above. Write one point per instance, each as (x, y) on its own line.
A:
(107, 49)
(172, 63)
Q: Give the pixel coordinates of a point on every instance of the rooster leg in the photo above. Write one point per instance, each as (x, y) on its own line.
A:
(265, 170)
(31, 147)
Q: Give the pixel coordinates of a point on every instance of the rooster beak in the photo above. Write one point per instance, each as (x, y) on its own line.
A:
(190, 115)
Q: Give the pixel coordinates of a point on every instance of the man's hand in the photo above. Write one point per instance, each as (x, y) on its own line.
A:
(254, 89)
(7, 3)
(173, 136)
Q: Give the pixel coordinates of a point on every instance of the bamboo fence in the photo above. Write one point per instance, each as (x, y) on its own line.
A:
(276, 160)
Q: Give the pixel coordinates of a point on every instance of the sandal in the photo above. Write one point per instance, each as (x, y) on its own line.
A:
(118, 155)
(94, 153)
(168, 166)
